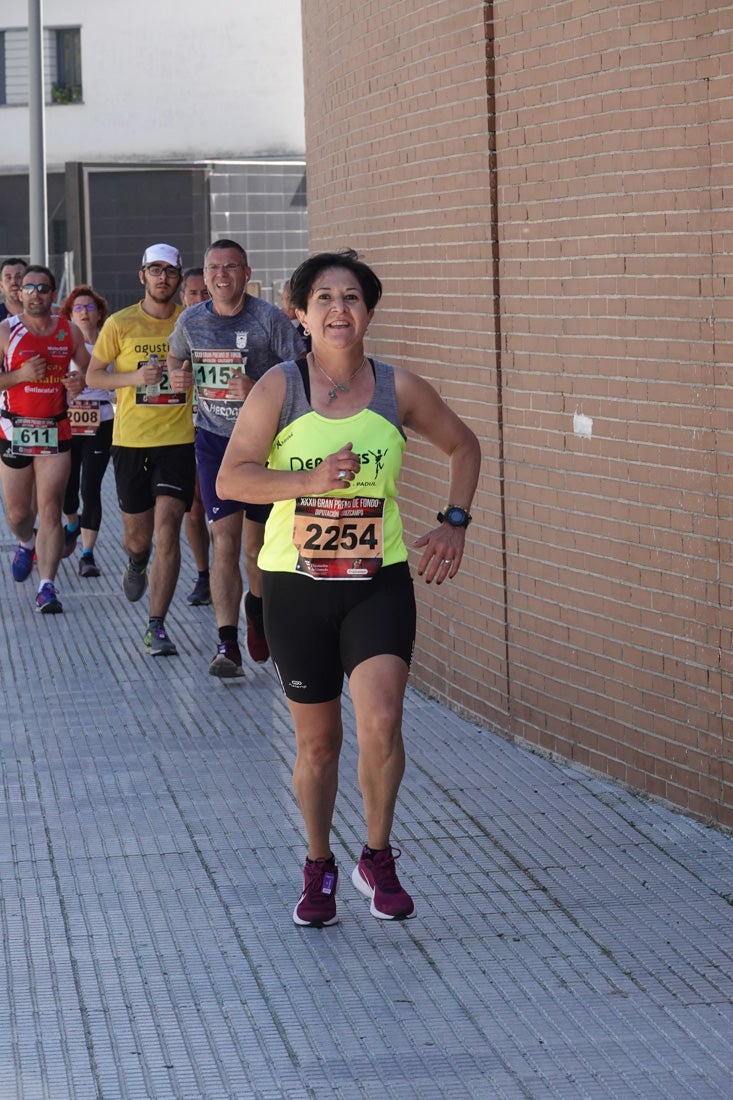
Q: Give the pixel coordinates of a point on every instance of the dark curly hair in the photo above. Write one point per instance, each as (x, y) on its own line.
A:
(303, 278)
(87, 292)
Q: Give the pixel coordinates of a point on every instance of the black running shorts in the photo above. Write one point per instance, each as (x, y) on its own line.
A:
(317, 630)
(21, 462)
(144, 473)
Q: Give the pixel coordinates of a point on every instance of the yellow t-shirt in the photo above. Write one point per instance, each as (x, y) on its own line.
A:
(129, 338)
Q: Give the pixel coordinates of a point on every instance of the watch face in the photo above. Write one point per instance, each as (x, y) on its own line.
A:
(456, 517)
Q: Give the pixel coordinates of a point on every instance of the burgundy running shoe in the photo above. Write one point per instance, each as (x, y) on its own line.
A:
(227, 661)
(317, 905)
(257, 645)
(376, 878)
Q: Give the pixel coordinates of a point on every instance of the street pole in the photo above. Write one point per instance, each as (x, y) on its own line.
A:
(37, 198)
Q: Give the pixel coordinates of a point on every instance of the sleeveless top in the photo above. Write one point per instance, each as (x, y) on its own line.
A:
(350, 533)
(46, 399)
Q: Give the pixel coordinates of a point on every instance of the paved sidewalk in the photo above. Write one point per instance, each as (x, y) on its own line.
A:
(572, 940)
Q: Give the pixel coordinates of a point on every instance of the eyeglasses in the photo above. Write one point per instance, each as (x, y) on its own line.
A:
(156, 270)
(80, 307)
(42, 288)
(214, 268)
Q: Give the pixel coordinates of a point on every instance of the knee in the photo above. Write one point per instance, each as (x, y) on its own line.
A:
(167, 542)
(49, 511)
(254, 539)
(136, 538)
(226, 549)
(136, 546)
(380, 731)
(320, 753)
(17, 515)
(168, 532)
(250, 561)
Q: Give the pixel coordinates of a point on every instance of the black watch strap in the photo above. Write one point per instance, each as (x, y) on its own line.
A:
(455, 516)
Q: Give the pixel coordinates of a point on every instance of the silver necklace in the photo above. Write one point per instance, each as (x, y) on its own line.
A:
(338, 387)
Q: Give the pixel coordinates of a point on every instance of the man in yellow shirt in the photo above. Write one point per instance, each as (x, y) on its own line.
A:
(152, 442)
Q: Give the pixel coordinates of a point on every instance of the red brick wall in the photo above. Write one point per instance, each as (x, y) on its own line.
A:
(545, 189)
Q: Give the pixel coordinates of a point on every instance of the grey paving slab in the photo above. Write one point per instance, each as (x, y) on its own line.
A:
(573, 940)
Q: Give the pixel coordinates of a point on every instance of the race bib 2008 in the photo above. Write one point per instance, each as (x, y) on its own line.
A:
(84, 416)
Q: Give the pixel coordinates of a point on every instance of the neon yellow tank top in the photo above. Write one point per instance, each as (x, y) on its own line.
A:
(349, 534)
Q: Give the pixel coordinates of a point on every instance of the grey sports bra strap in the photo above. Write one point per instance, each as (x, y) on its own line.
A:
(302, 365)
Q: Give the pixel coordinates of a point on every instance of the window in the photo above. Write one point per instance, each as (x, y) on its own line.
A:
(66, 88)
(61, 65)
(59, 236)
(15, 67)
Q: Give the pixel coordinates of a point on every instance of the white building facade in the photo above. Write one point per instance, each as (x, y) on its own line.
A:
(182, 118)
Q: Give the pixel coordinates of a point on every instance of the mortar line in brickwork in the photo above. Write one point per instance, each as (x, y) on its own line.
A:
(496, 300)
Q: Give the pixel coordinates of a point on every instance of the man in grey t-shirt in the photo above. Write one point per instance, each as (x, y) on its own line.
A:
(222, 347)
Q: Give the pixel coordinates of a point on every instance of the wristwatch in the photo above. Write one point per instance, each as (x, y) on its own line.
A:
(455, 516)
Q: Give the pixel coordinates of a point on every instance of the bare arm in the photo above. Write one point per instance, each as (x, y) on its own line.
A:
(180, 374)
(32, 370)
(75, 380)
(100, 378)
(80, 356)
(243, 474)
(423, 410)
(4, 335)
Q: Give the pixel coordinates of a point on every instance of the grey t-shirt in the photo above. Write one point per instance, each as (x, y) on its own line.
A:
(253, 340)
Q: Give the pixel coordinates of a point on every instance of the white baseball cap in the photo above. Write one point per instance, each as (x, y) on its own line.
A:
(162, 254)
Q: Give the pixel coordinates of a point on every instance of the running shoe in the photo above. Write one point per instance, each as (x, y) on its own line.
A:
(257, 645)
(22, 563)
(227, 661)
(158, 644)
(317, 905)
(70, 539)
(376, 878)
(134, 581)
(87, 565)
(47, 602)
(201, 594)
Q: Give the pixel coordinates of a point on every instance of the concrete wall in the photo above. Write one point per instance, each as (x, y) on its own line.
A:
(546, 190)
(166, 80)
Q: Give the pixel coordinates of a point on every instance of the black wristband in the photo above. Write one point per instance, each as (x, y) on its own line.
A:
(455, 516)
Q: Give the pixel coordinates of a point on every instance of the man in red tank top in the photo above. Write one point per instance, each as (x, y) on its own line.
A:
(36, 349)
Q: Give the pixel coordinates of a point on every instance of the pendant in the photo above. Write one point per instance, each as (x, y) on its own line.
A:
(337, 389)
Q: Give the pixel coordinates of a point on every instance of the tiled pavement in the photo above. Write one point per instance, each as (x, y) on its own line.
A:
(572, 940)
